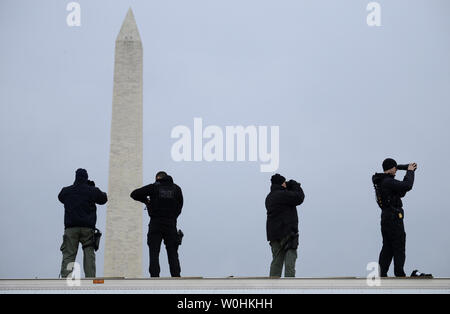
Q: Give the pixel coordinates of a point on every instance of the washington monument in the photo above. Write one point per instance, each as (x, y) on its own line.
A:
(123, 244)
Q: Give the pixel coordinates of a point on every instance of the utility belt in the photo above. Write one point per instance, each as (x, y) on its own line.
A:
(392, 212)
(165, 221)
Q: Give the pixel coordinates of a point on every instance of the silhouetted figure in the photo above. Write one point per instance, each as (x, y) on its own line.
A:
(164, 201)
(80, 217)
(389, 193)
(282, 224)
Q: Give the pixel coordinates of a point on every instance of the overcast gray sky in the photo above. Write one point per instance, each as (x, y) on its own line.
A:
(345, 96)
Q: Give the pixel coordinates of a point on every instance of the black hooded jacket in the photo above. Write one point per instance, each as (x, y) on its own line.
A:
(392, 191)
(163, 198)
(282, 217)
(79, 202)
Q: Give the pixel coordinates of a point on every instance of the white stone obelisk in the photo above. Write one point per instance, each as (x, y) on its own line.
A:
(123, 243)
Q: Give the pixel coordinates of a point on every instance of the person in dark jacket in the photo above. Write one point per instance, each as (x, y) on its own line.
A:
(80, 217)
(389, 193)
(164, 201)
(282, 224)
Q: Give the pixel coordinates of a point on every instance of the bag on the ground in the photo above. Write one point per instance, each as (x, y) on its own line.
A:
(417, 273)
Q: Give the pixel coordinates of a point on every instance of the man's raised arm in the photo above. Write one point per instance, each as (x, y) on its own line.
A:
(141, 194)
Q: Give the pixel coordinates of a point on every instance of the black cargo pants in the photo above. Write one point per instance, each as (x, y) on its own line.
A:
(158, 231)
(394, 244)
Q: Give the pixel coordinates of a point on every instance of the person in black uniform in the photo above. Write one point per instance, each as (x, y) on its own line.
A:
(389, 193)
(164, 201)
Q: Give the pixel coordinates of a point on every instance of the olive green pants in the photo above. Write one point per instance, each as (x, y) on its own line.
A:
(282, 257)
(71, 239)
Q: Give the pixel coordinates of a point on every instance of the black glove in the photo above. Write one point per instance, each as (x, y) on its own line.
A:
(91, 183)
(292, 185)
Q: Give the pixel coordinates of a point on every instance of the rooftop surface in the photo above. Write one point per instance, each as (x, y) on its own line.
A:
(200, 285)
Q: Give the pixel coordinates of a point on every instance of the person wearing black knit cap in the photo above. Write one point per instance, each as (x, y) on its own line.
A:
(389, 193)
(282, 224)
(80, 217)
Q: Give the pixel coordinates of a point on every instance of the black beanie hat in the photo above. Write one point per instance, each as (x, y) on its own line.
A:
(277, 179)
(389, 163)
(81, 174)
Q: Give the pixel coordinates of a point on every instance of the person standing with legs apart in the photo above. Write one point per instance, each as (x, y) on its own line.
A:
(164, 201)
(80, 217)
(282, 224)
(389, 193)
